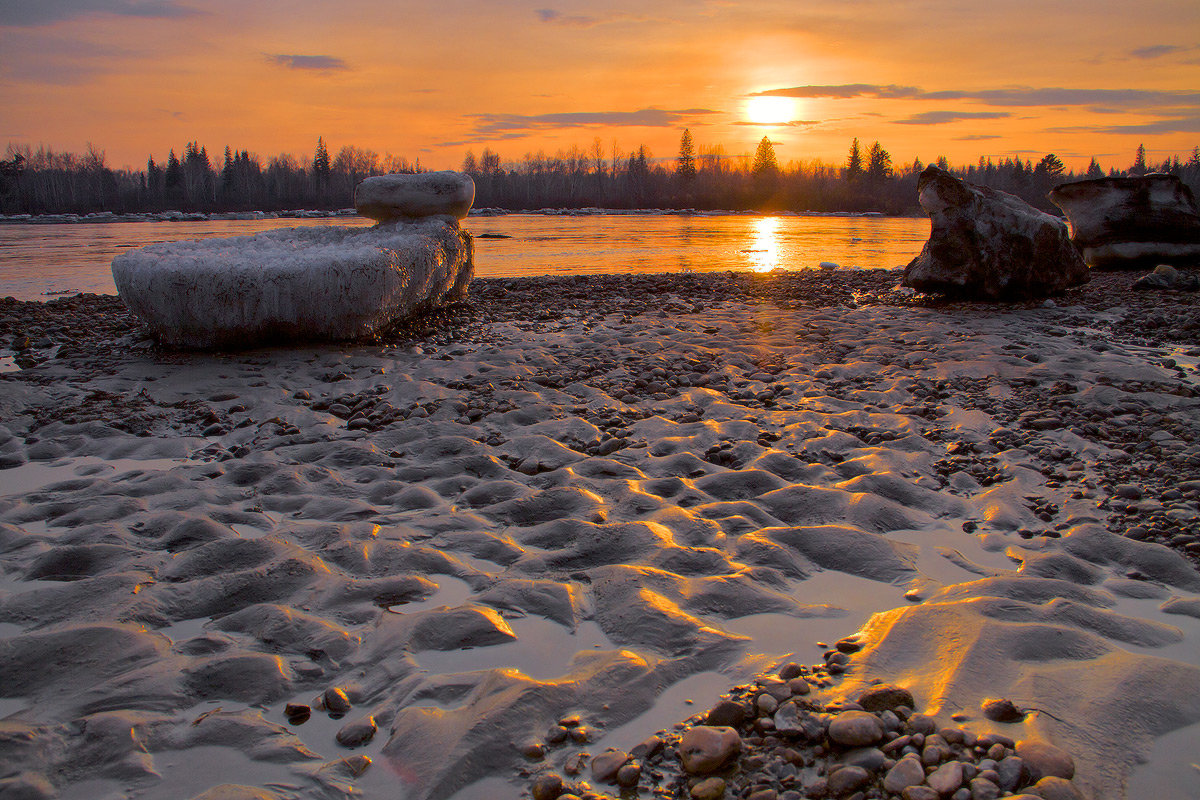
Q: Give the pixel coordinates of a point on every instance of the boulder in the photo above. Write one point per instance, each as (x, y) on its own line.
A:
(318, 283)
(1132, 223)
(425, 194)
(989, 245)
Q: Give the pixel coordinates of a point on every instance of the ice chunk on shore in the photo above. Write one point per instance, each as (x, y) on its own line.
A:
(295, 283)
(425, 194)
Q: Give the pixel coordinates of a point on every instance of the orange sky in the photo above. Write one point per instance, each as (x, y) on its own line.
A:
(432, 80)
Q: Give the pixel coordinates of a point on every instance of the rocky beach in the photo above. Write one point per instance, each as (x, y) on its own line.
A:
(573, 534)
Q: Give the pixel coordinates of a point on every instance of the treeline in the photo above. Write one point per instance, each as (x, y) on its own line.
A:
(43, 181)
(704, 178)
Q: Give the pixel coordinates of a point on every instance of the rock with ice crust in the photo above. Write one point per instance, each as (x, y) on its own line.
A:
(990, 245)
(425, 194)
(1132, 223)
(321, 283)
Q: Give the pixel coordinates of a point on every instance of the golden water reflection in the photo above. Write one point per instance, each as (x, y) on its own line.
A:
(763, 253)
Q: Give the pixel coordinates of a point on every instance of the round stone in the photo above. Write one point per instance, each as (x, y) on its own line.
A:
(1000, 709)
(885, 697)
(855, 729)
(705, 748)
(357, 733)
(547, 787)
(726, 713)
(1052, 788)
(847, 780)
(1043, 758)
(606, 765)
(709, 789)
(907, 772)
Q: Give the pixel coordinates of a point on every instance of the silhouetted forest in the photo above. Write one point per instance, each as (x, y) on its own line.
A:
(705, 178)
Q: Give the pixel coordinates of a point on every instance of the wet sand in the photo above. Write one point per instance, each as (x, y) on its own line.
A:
(614, 497)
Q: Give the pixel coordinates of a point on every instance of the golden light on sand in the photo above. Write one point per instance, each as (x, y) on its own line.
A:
(763, 252)
(770, 110)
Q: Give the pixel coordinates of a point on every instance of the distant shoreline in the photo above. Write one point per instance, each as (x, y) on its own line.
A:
(105, 217)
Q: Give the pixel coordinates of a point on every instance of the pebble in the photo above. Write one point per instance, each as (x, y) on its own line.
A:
(1054, 788)
(855, 729)
(1043, 758)
(983, 789)
(907, 772)
(947, 778)
(709, 789)
(335, 701)
(726, 713)
(357, 733)
(885, 697)
(847, 780)
(1002, 710)
(606, 765)
(706, 748)
(547, 787)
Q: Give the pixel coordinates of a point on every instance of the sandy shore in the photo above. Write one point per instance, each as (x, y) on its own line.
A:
(611, 497)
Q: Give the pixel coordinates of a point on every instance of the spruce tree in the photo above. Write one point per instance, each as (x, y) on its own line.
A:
(765, 162)
(1139, 161)
(879, 163)
(320, 165)
(854, 164)
(685, 164)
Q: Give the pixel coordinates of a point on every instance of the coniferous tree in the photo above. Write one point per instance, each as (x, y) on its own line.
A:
(174, 176)
(765, 162)
(1093, 170)
(685, 164)
(320, 166)
(854, 163)
(879, 163)
(1139, 161)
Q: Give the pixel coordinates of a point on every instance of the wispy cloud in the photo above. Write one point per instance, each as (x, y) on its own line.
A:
(977, 137)
(795, 123)
(313, 63)
(28, 13)
(1189, 124)
(943, 117)
(553, 16)
(1014, 96)
(1160, 50)
(489, 124)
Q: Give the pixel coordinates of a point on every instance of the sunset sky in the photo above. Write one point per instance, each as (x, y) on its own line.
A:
(432, 80)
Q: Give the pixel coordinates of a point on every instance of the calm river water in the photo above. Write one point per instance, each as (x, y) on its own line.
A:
(38, 262)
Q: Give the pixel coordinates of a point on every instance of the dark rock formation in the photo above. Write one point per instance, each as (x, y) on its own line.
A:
(1132, 223)
(1165, 276)
(990, 245)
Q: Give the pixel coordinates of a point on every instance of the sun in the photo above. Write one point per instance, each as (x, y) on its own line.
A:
(770, 110)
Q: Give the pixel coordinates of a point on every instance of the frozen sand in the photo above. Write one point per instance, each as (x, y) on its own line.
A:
(572, 511)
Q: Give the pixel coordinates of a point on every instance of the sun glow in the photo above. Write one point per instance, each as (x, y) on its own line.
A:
(770, 110)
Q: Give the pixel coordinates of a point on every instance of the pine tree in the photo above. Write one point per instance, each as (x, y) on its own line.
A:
(320, 165)
(227, 170)
(685, 164)
(174, 176)
(1093, 170)
(854, 164)
(765, 162)
(879, 163)
(1139, 161)
(1051, 166)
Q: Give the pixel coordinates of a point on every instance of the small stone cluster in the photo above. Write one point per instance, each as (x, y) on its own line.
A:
(770, 740)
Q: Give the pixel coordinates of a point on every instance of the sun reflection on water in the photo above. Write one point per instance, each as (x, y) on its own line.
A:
(763, 254)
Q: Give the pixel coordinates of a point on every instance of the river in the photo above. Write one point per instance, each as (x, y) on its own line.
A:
(41, 261)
